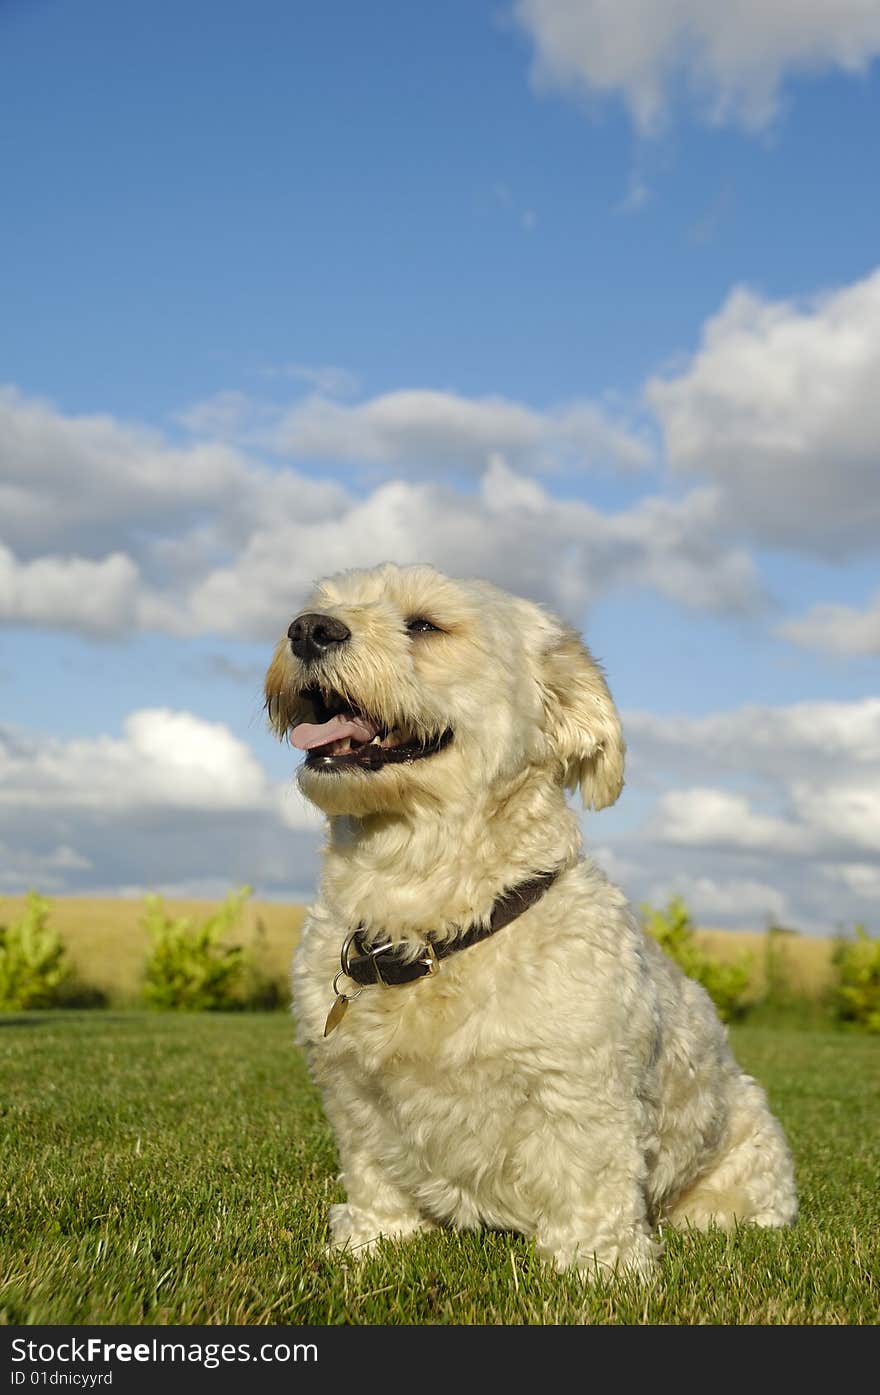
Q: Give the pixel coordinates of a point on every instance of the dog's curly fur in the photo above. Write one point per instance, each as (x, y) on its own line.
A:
(562, 1078)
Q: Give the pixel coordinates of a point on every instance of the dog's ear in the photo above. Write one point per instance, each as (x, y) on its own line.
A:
(582, 721)
(278, 705)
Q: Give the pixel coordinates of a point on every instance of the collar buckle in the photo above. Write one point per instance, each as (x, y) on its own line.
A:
(365, 953)
(362, 961)
(429, 959)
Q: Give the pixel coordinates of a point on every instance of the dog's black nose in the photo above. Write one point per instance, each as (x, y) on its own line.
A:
(313, 634)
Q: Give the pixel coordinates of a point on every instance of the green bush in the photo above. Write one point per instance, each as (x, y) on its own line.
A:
(857, 994)
(726, 984)
(33, 971)
(193, 967)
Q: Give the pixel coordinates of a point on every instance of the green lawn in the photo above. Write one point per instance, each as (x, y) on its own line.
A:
(177, 1169)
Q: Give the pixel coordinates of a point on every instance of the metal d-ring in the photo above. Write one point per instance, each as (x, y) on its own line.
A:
(371, 952)
(346, 947)
(349, 997)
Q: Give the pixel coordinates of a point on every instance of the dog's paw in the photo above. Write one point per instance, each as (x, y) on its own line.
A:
(634, 1256)
(358, 1232)
(352, 1231)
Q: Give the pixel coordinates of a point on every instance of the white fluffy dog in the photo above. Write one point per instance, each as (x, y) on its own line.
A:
(496, 1040)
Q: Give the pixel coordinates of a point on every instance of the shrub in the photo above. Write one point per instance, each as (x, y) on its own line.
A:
(191, 966)
(857, 995)
(726, 984)
(33, 972)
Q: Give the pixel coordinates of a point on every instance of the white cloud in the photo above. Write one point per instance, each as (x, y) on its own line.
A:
(776, 742)
(731, 58)
(110, 529)
(173, 800)
(817, 762)
(559, 551)
(741, 902)
(106, 526)
(70, 592)
(716, 818)
(779, 408)
(82, 476)
(24, 868)
(421, 430)
(837, 629)
(863, 878)
(324, 378)
(163, 760)
(617, 868)
(762, 797)
(90, 485)
(673, 547)
(845, 814)
(224, 415)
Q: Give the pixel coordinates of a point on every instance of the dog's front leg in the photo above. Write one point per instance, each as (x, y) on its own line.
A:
(375, 1208)
(376, 1204)
(585, 1182)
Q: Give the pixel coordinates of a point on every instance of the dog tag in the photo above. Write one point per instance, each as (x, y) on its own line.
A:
(336, 1014)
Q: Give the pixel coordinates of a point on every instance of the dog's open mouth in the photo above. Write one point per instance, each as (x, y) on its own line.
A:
(342, 738)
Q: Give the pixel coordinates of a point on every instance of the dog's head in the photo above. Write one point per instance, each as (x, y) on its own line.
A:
(401, 684)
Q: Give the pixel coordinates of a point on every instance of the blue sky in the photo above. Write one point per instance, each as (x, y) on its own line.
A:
(562, 295)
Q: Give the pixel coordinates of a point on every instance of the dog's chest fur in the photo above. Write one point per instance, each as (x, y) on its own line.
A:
(451, 1077)
(425, 1072)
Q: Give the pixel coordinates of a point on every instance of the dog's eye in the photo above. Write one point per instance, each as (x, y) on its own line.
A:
(418, 625)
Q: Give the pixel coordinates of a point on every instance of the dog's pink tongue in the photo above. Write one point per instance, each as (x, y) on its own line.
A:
(308, 735)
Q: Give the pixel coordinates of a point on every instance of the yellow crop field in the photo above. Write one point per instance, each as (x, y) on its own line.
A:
(803, 964)
(106, 942)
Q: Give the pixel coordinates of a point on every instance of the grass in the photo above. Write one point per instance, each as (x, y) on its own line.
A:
(177, 1169)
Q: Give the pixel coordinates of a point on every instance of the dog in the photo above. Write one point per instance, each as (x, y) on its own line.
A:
(496, 1040)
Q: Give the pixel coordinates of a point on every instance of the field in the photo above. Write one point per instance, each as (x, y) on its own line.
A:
(802, 964)
(176, 1169)
(107, 944)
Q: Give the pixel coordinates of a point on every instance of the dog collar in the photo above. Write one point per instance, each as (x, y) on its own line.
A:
(369, 962)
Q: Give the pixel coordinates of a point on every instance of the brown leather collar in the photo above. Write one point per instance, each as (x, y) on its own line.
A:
(381, 961)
